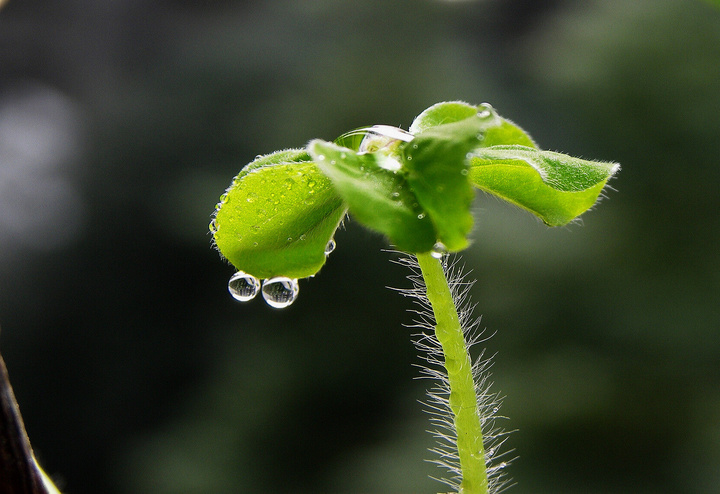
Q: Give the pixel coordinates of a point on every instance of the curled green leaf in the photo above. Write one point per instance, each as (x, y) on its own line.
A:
(376, 195)
(495, 130)
(277, 217)
(435, 162)
(556, 187)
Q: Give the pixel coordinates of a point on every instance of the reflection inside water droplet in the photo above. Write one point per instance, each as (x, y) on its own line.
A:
(330, 247)
(243, 287)
(280, 292)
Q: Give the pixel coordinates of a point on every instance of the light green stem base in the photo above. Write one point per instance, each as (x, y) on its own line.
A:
(463, 400)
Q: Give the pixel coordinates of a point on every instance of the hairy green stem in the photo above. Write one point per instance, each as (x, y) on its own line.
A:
(463, 400)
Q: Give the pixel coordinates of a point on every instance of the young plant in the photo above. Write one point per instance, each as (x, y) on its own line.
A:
(277, 220)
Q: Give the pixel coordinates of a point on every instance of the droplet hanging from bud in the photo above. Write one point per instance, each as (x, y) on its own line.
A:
(280, 292)
(243, 287)
(438, 250)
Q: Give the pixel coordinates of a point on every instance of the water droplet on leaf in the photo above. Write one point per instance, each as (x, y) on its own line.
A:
(485, 110)
(280, 292)
(438, 250)
(330, 246)
(243, 287)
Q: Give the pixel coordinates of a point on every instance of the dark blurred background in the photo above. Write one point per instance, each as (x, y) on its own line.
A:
(122, 122)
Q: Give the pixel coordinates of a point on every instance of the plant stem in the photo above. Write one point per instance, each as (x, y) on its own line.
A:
(463, 399)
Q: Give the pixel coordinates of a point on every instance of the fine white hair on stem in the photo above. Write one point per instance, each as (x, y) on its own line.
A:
(437, 402)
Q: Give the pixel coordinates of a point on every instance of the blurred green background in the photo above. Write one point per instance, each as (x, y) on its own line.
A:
(122, 122)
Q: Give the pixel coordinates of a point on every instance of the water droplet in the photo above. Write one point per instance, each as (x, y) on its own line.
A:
(395, 196)
(258, 156)
(330, 246)
(303, 237)
(485, 110)
(213, 226)
(332, 162)
(280, 292)
(438, 250)
(343, 155)
(321, 157)
(415, 146)
(243, 287)
(464, 171)
(409, 158)
(389, 163)
(421, 216)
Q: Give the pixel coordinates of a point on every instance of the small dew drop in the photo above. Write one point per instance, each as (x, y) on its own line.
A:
(415, 146)
(438, 250)
(330, 247)
(280, 292)
(213, 226)
(409, 158)
(332, 162)
(421, 216)
(303, 237)
(464, 171)
(485, 110)
(343, 155)
(321, 157)
(243, 287)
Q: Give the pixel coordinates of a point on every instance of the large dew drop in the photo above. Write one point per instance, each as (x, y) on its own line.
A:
(243, 287)
(280, 292)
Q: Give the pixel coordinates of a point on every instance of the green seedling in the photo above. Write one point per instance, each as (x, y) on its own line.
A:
(276, 224)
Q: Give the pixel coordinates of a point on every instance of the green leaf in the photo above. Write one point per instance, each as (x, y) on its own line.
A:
(377, 197)
(554, 186)
(436, 165)
(442, 113)
(495, 131)
(278, 216)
